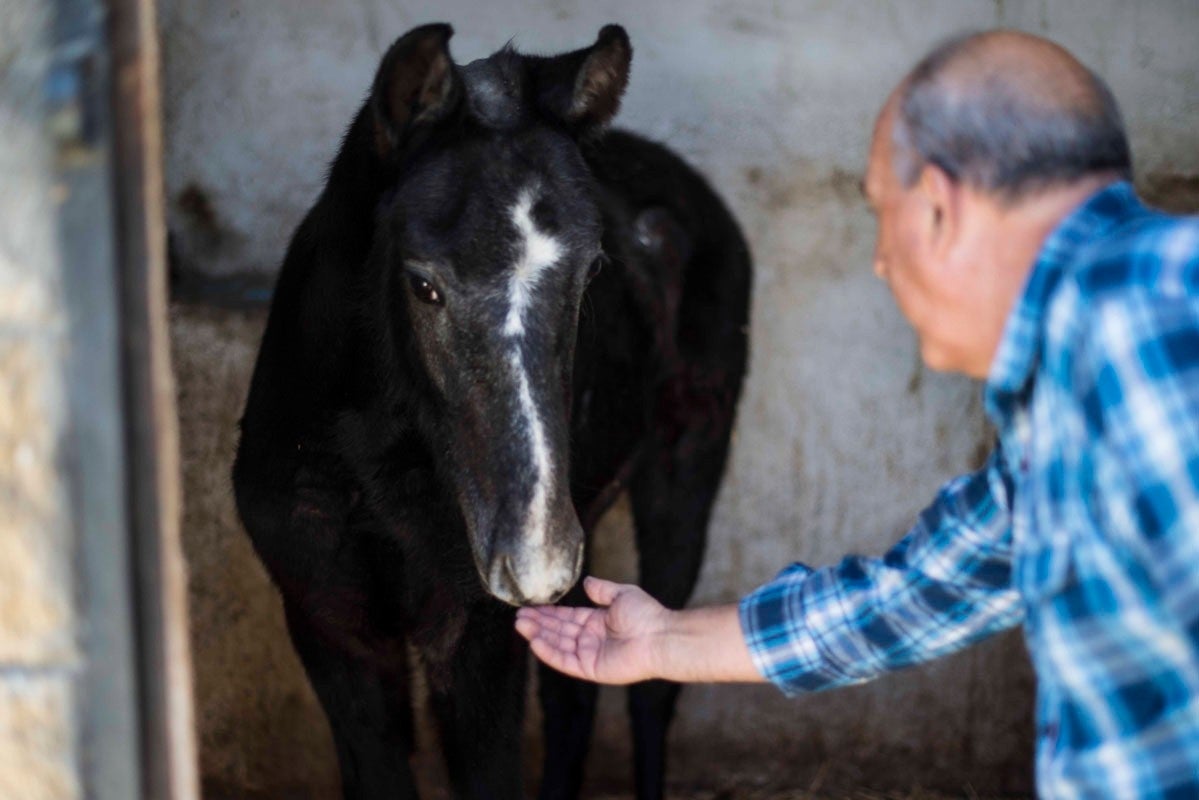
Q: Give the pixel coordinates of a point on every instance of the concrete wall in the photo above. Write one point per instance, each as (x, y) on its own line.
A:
(40, 661)
(38, 656)
(842, 435)
(69, 699)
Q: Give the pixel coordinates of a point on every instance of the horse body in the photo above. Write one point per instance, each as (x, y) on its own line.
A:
(450, 391)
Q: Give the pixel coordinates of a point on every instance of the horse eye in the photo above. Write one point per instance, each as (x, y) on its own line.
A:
(425, 291)
(596, 266)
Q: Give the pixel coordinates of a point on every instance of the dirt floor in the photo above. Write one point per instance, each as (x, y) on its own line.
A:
(732, 790)
(744, 789)
(738, 793)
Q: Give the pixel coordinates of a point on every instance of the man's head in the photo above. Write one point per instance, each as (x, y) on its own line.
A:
(982, 149)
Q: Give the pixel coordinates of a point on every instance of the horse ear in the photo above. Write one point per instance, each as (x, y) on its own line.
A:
(416, 85)
(583, 88)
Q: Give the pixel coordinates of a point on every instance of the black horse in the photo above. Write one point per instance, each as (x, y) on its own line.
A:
(450, 391)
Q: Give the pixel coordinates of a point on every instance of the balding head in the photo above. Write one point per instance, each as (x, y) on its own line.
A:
(1007, 113)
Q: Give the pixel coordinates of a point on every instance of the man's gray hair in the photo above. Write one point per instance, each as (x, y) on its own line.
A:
(998, 136)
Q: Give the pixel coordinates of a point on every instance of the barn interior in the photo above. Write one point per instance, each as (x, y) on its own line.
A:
(842, 435)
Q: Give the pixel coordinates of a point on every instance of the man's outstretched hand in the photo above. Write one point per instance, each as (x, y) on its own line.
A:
(632, 637)
(611, 644)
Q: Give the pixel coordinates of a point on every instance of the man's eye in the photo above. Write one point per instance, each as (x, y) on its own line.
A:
(425, 291)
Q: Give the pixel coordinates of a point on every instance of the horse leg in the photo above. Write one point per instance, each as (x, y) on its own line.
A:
(366, 699)
(477, 693)
(568, 714)
(672, 495)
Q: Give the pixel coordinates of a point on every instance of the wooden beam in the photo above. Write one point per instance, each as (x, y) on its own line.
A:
(169, 751)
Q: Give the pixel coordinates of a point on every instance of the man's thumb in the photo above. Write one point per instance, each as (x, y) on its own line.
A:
(601, 592)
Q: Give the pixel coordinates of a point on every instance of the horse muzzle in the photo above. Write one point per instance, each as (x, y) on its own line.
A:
(535, 575)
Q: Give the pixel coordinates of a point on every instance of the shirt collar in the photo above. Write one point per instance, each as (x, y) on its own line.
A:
(1016, 357)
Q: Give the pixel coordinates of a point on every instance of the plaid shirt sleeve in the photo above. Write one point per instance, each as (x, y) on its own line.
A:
(944, 586)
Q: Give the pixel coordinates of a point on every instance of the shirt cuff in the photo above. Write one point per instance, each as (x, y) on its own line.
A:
(780, 645)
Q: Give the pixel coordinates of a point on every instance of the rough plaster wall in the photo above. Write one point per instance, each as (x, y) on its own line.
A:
(842, 435)
(39, 661)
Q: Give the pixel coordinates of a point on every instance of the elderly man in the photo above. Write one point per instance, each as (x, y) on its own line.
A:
(1016, 248)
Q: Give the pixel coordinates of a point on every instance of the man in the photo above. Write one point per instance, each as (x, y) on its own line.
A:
(1015, 247)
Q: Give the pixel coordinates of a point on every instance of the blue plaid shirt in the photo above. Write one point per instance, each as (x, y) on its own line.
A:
(1083, 525)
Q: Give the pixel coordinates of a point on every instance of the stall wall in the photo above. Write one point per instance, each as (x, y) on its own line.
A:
(39, 660)
(69, 695)
(842, 434)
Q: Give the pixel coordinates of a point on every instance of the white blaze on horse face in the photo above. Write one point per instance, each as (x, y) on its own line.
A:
(536, 252)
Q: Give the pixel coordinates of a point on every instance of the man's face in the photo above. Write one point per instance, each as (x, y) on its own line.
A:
(911, 258)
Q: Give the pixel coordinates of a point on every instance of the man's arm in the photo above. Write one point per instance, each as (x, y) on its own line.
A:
(945, 585)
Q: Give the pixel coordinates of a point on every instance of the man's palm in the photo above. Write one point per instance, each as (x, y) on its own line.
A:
(609, 644)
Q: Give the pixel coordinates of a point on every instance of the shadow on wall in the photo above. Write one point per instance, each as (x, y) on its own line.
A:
(1178, 194)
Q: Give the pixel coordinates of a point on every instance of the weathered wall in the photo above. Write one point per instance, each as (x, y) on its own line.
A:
(842, 435)
(68, 689)
(38, 658)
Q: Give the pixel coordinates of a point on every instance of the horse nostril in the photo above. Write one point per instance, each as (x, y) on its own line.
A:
(509, 574)
(504, 584)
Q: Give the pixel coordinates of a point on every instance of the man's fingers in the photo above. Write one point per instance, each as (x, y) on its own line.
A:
(561, 642)
(527, 627)
(563, 662)
(545, 612)
(564, 645)
(549, 648)
(558, 625)
(562, 636)
(601, 592)
(564, 620)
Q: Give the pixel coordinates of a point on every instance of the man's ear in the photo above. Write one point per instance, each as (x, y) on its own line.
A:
(583, 88)
(416, 85)
(943, 198)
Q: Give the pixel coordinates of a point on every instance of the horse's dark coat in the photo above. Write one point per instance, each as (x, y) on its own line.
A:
(379, 466)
